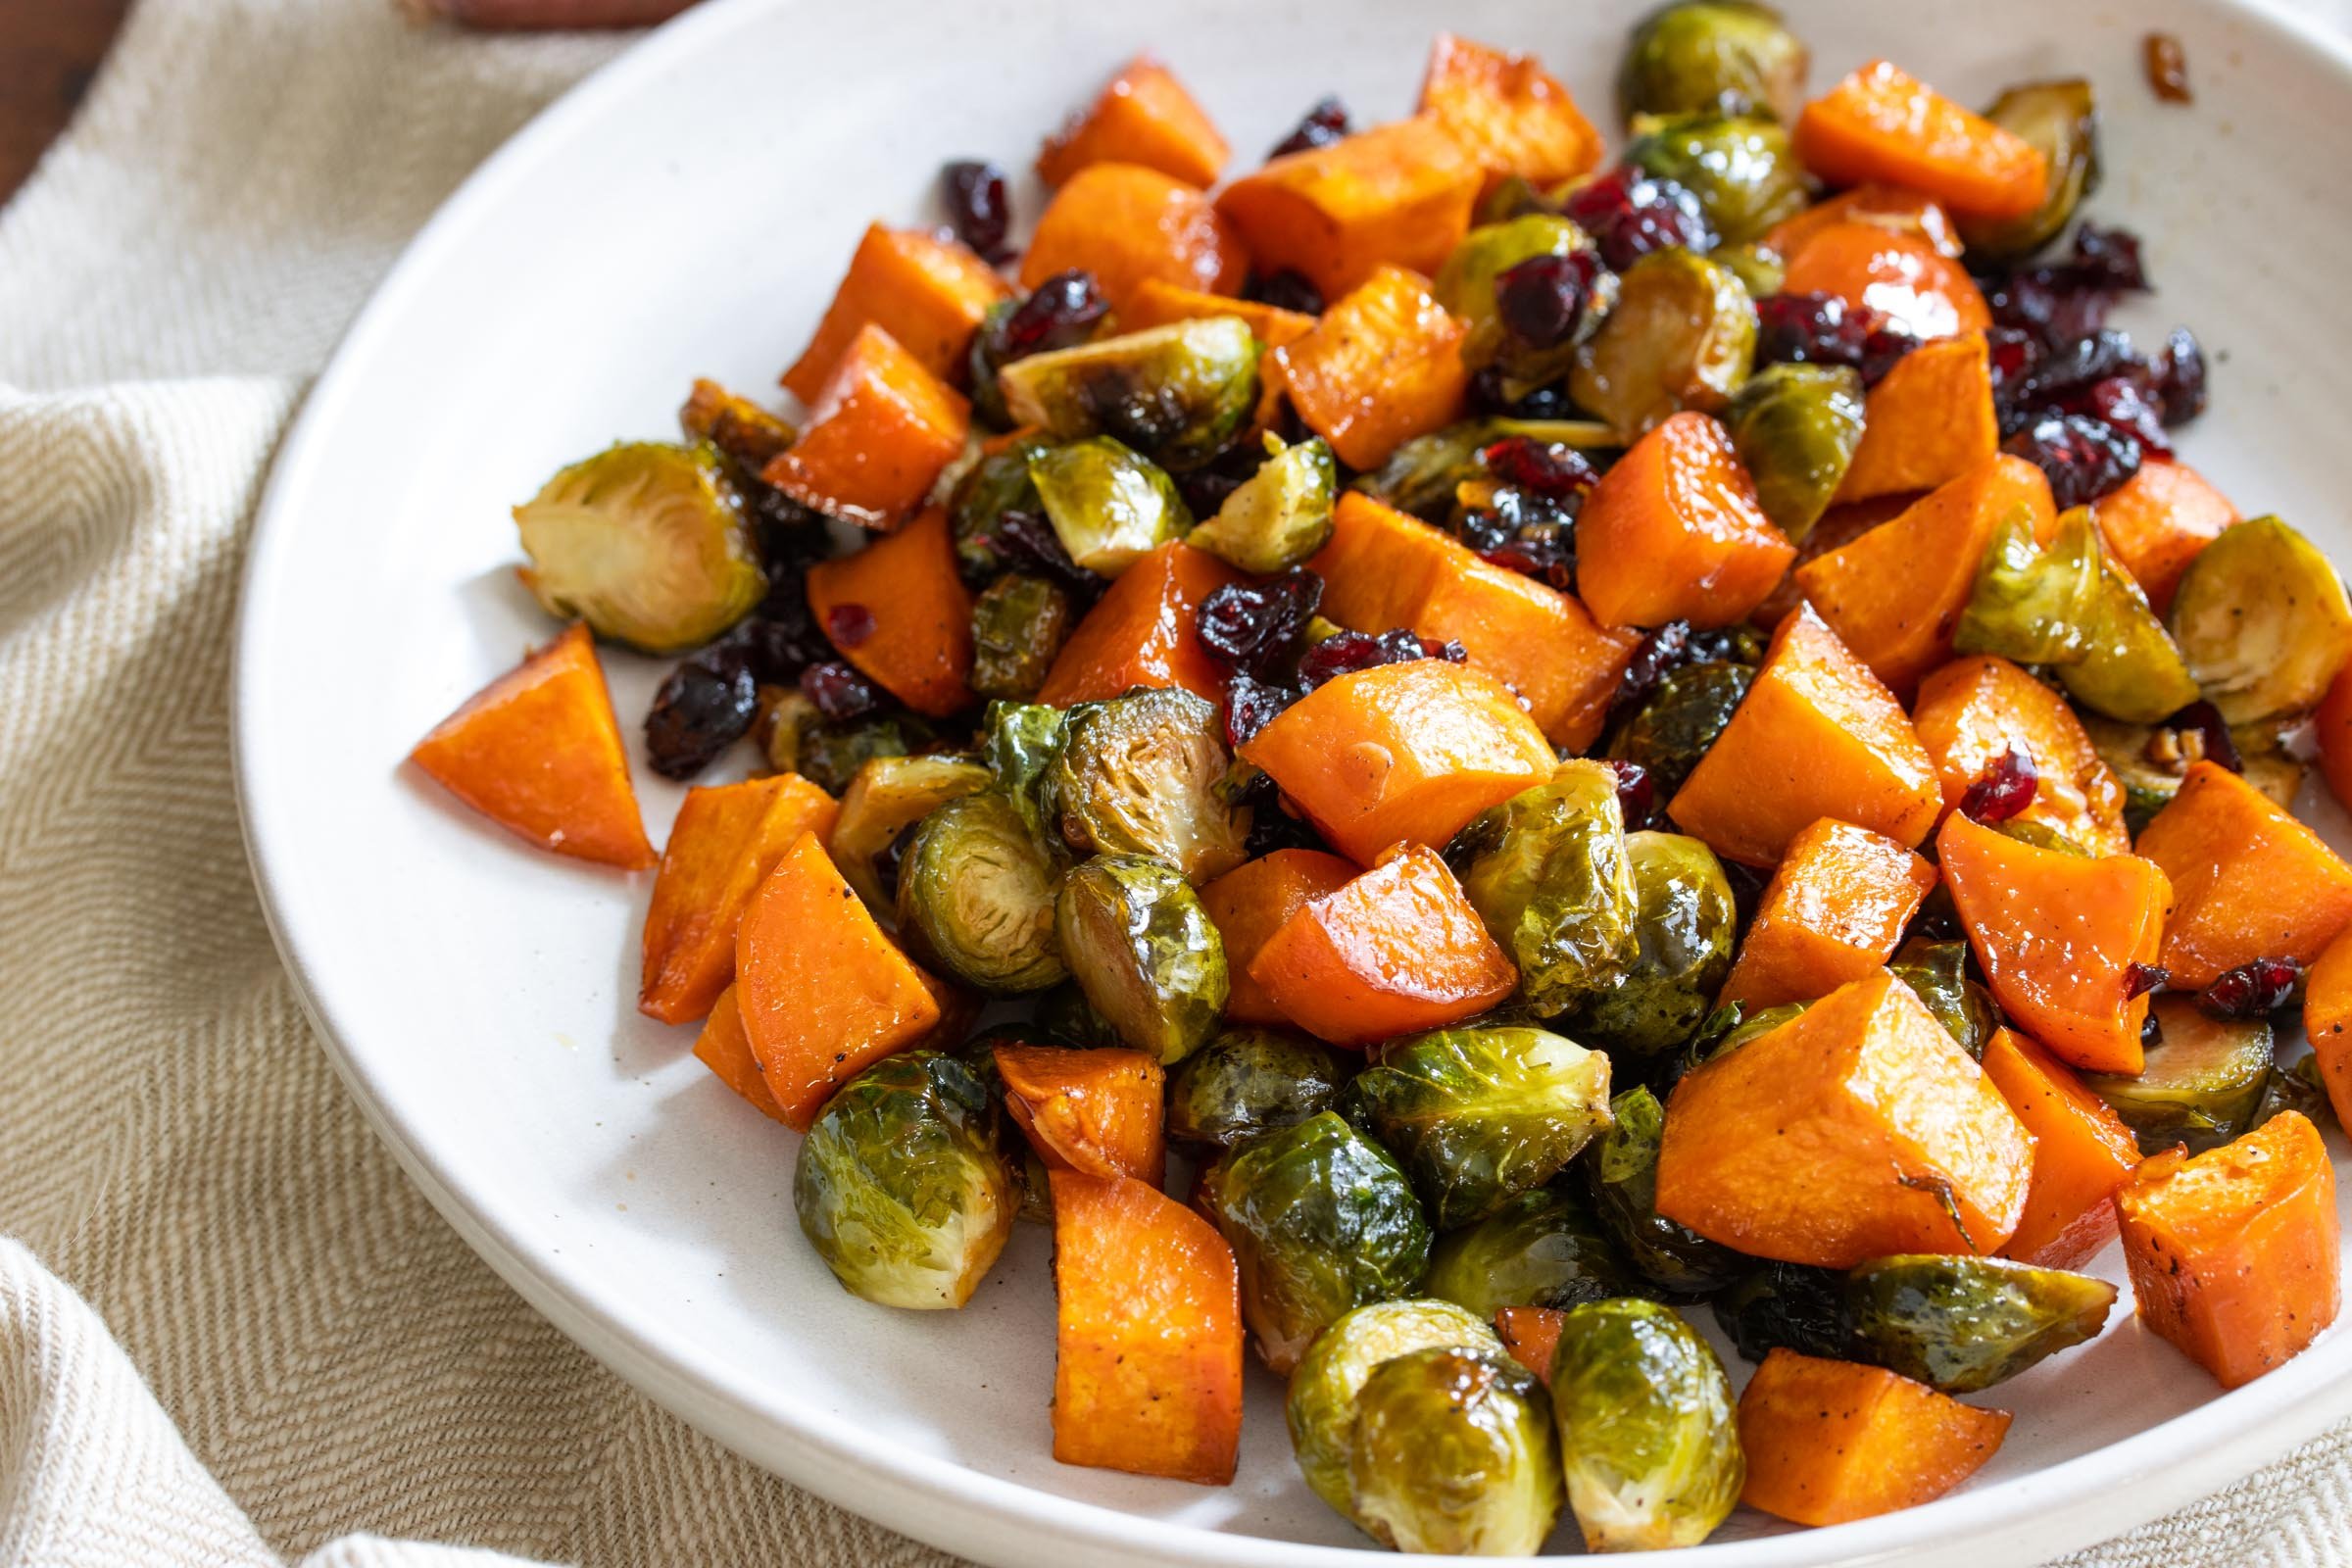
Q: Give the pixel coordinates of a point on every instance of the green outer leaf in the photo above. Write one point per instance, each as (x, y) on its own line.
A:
(1647, 1428)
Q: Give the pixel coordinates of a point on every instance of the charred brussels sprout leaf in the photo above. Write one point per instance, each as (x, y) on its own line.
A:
(1937, 974)
(1544, 1247)
(1018, 625)
(2263, 622)
(1740, 167)
(1108, 504)
(1682, 715)
(1961, 1324)
(2203, 1080)
(647, 543)
(1683, 933)
(1245, 1082)
(1647, 1427)
(2130, 670)
(1622, 1164)
(1479, 1115)
(1796, 428)
(1280, 516)
(1729, 57)
(1138, 776)
(2298, 1088)
(1422, 475)
(1176, 393)
(1018, 742)
(1321, 1220)
(1717, 1039)
(1145, 952)
(1786, 1306)
(1682, 336)
(995, 486)
(2062, 120)
(1321, 1405)
(1547, 872)
(890, 795)
(2030, 603)
(1454, 1451)
(976, 896)
(900, 1187)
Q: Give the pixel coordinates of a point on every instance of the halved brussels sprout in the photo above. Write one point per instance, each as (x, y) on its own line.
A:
(2150, 761)
(1018, 742)
(1761, 271)
(1018, 625)
(1740, 167)
(2130, 670)
(1647, 1428)
(890, 795)
(2264, 622)
(1248, 1081)
(1684, 927)
(1729, 57)
(901, 1185)
(1544, 1247)
(2032, 604)
(1797, 427)
(1422, 475)
(976, 896)
(1145, 952)
(1454, 1453)
(1465, 286)
(996, 484)
(1280, 516)
(1937, 974)
(1479, 1115)
(2202, 1083)
(2062, 120)
(1321, 1404)
(1138, 776)
(1961, 1324)
(1622, 1165)
(1787, 1306)
(1321, 1220)
(1680, 718)
(1731, 1026)
(1108, 504)
(1682, 336)
(1176, 393)
(1547, 872)
(647, 543)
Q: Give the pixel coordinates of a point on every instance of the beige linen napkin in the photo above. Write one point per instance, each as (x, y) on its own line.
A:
(230, 1332)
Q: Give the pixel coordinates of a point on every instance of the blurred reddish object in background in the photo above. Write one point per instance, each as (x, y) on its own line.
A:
(548, 14)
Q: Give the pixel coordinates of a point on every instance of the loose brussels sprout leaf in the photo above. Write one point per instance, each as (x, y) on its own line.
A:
(2298, 1088)
(1321, 1221)
(1729, 57)
(1018, 742)
(1018, 625)
(1937, 974)
(1682, 336)
(995, 486)
(1321, 1404)
(2150, 761)
(1547, 872)
(1787, 1306)
(2130, 670)
(1107, 502)
(1480, 1115)
(1138, 776)
(1421, 475)
(1280, 516)
(2032, 605)
(1248, 1081)
(1683, 928)
(1177, 393)
(647, 543)
(2263, 622)
(1761, 271)
(1454, 1453)
(976, 896)
(900, 1187)
(890, 795)
(1961, 1324)
(1622, 1165)
(1544, 1247)
(1714, 1042)
(1647, 1427)
(1680, 718)
(2202, 1083)
(1065, 1014)
(1796, 428)
(1740, 167)
(1145, 952)
(2062, 120)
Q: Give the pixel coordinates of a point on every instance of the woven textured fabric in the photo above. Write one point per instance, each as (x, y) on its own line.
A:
(230, 1332)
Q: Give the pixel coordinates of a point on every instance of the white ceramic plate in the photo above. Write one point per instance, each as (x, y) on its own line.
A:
(687, 211)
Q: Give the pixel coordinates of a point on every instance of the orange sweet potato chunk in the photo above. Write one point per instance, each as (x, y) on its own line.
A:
(724, 1049)
(1251, 902)
(1906, 211)
(1531, 1334)
(1903, 276)
(1144, 116)
(899, 611)
(1974, 709)
(1397, 950)
(1097, 1111)
(1833, 913)
(2158, 521)
(538, 752)
(2056, 934)
(1507, 113)
(2234, 1254)
(1383, 366)
(927, 293)
(1817, 736)
(881, 430)
(725, 841)
(1401, 754)
(1147, 1342)
(1881, 124)
(1674, 532)
(2081, 1154)
(1828, 1442)
(1927, 423)
(1139, 632)
(1858, 1129)
(2248, 880)
(2327, 1022)
(1397, 194)
(821, 990)
(1126, 225)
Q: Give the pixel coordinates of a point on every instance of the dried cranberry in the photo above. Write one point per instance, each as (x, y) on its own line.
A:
(979, 203)
(2118, 403)
(1487, 396)
(1811, 329)
(1206, 488)
(1547, 467)
(2145, 979)
(2214, 743)
(704, 707)
(1546, 552)
(1287, 290)
(1883, 349)
(1325, 124)
(1060, 312)
(1027, 542)
(839, 691)
(1637, 794)
(2014, 353)
(2110, 258)
(2251, 989)
(1541, 300)
(1251, 705)
(848, 625)
(1251, 625)
(1629, 214)
(2180, 371)
(2005, 788)
(1353, 651)
(2067, 301)
(2083, 457)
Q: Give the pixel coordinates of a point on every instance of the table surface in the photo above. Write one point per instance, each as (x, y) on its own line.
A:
(49, 49)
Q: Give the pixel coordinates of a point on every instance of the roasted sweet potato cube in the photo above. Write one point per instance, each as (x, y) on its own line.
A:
(2248, 880)
(1144, 116)
(1833, 911)
(926, 292)
(2327, 1022)
(1974, 711)
(1097, 1111)
(899, 611)
(1927, 423)
(1383, 366)
(2081, 1154)
(1881, 124)
(1397, 194)
(1828, 1442)
(1139, 632)
(1251, 902)
(1127, 225)
(2158, 521)
(1903, 278)
(1674, 532)
(1856, 1130)
(1906, 211)
(1531, 1334)
(724, 1049)
(2233, 1253)
(879, 434)
(725, 841)
(538, 752)
(1511, 115)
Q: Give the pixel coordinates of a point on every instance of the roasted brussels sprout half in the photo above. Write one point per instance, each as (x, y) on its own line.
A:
(1961, 1324)
(976, 896)
(1321, 1220)
(1108, 504)
(2062, 119)
(1018, 743)
(1680, 718)
(902, 1187)
(1786, 1306)
(1937, 974)
(647, 543)
(1682, 336)
(1797, 427)
(1729, 57)
(1740, 167)
(1465, 286)
(1138, 776)
(2030, 603)
(796, 738)
(1647, 1428)
(1280, 516)
(1684, 927)
(1145, 952)
(1547, 872)
(1248, 1081)
(1544, 1247)
(996, 484)
(2130, 670)
(1018, 625)
(2150, 761)
(1422, 475)
(1479, 1115)
(1761, 271)
(1622, 1166)
(2263, 622)
(1454, 1453)
(1321, 1405)
(890, 795)
(2202, 1083)
(1176, 393)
